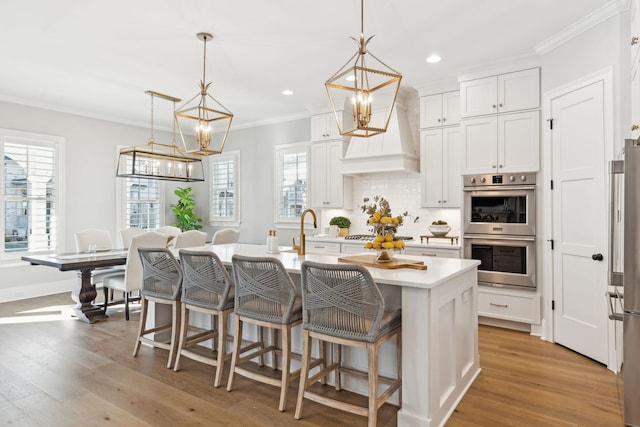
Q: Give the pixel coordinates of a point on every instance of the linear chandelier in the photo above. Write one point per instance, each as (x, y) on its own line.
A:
(364, 96)
(157, 160)
(211, 120)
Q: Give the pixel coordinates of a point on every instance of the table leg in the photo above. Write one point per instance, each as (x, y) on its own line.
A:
(84, 295)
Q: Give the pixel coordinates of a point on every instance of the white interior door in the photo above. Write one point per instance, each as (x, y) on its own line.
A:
(579, 218)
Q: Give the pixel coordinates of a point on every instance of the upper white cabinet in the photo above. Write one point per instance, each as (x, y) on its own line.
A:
(328, 187)
(442, 109)
(503, 93)
(504, 143)
(441, 160)
(634, 37)
(324, 127)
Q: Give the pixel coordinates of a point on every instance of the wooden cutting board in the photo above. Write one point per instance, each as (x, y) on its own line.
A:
(369, 261)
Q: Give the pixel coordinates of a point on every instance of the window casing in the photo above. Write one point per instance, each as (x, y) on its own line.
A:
(291, 181)
(140, 202)
(225, 188)
(31, 199)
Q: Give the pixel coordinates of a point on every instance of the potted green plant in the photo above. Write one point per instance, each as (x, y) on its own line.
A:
(186, 218)
(343, 224)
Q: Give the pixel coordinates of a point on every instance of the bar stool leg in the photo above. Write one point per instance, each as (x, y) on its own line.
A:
(143, 322)
(304, 372)
(237, 341)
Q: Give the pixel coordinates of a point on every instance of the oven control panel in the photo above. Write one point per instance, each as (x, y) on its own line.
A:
(527, 178)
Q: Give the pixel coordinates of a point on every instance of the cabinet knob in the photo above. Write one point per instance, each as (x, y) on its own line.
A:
(634, 127)
(500, 166)
(499, 105)
(444, 119)
(439, 120)
(444, 201)
(634, 40)
(494, 105)
(493, 166)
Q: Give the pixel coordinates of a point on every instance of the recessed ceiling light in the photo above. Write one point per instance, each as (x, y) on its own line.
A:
(433, 59)
(287, 92)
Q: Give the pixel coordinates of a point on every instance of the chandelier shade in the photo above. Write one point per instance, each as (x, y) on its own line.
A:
(363, 94)
(159, 161)
(203, 116)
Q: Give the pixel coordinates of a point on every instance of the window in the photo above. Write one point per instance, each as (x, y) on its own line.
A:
(291, 184)
(140, 202)
(225, 187)
(30, 192)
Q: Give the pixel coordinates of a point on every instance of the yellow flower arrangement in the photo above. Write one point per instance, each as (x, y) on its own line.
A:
(384, 224)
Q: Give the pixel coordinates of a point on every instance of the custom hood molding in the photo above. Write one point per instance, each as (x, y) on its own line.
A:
(392, 151)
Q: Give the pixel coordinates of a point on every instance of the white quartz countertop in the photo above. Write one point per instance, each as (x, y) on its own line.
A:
(436, 243)
(439, 270)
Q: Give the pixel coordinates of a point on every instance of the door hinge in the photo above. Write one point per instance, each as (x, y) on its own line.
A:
(550, 123)
(553, 305)
(552, 184)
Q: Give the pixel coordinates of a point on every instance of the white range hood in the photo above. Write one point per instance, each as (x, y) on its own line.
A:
(392, 151)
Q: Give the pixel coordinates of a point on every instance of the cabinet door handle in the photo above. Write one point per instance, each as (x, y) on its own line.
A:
(634, 40)
(634, 127)
(428, 254)
(498, 305)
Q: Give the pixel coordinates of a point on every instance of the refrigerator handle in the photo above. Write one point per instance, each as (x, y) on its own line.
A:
(616, 167)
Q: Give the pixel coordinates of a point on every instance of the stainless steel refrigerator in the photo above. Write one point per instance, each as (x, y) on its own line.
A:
(631, 300)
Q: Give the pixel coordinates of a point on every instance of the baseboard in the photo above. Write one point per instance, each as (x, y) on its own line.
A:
(37, 290)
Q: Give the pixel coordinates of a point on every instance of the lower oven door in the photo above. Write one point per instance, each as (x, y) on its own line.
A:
(505, 261)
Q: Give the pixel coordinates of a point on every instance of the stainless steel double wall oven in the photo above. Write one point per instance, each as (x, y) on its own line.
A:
(499, 225)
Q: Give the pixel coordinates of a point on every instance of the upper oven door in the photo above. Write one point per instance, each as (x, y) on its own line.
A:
(504, 211)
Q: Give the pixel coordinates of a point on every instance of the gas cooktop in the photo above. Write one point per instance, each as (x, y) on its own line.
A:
(372, 236)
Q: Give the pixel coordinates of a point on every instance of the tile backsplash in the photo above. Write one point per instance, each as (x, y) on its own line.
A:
(402, 190)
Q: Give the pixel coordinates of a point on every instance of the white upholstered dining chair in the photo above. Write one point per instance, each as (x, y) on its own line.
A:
(190, 239)
(131, 279)
(129, 233)
(97, 240)
(226, 235)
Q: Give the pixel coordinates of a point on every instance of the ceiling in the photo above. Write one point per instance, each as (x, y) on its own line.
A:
(97, 58)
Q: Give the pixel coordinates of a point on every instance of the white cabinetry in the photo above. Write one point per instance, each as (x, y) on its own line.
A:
(435, 252)
(634, 20)
(442, 109)
(441, 160)
(503, 93)
(322, 248)
(328, 187)
(324, 127)
(505, 143)
(506, 304)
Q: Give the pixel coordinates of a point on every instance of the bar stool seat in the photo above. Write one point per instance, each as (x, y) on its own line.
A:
(161, 284)
(342, 305)
(206, 288)
(266, 297)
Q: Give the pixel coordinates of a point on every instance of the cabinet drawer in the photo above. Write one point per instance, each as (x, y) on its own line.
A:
(442, 253)
(314, 247)
(518, 307)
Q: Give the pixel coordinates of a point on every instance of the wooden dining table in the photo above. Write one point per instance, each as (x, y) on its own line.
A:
(84, 263)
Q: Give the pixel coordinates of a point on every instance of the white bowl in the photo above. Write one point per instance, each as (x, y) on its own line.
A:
(439, 230)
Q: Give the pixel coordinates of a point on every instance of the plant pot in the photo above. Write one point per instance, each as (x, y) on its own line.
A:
(343, 232)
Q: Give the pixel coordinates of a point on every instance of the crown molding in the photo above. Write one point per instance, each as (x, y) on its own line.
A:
(605, 12)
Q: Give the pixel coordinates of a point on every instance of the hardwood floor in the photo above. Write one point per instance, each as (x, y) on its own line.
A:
(56, 371)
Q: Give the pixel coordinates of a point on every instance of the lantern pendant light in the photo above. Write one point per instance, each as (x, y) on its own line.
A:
(362, 96)
(208, 118)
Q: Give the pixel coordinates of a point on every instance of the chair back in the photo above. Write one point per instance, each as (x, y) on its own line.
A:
(133, 267)
(205, 281)
(226, 235)
(341, 300)
(264, 289)
(92, 236)
(129, 233)
(161, 274)
(169, 230)
(190, 239)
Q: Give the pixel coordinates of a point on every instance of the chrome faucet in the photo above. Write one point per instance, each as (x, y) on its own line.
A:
(302, 247)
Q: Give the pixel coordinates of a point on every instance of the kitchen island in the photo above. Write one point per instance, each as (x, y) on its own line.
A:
(439, 327)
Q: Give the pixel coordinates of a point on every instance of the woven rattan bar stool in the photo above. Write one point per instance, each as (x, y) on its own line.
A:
(206, 288)
(342, 305)
(161, 284)
(265, 296)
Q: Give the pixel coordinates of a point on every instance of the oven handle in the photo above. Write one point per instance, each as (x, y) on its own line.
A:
(499, 237)
(500, 187)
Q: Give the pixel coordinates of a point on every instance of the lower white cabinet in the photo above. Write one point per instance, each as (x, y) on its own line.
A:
(437, 252)
(320, 248)
(509, 304)
(441, 172)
